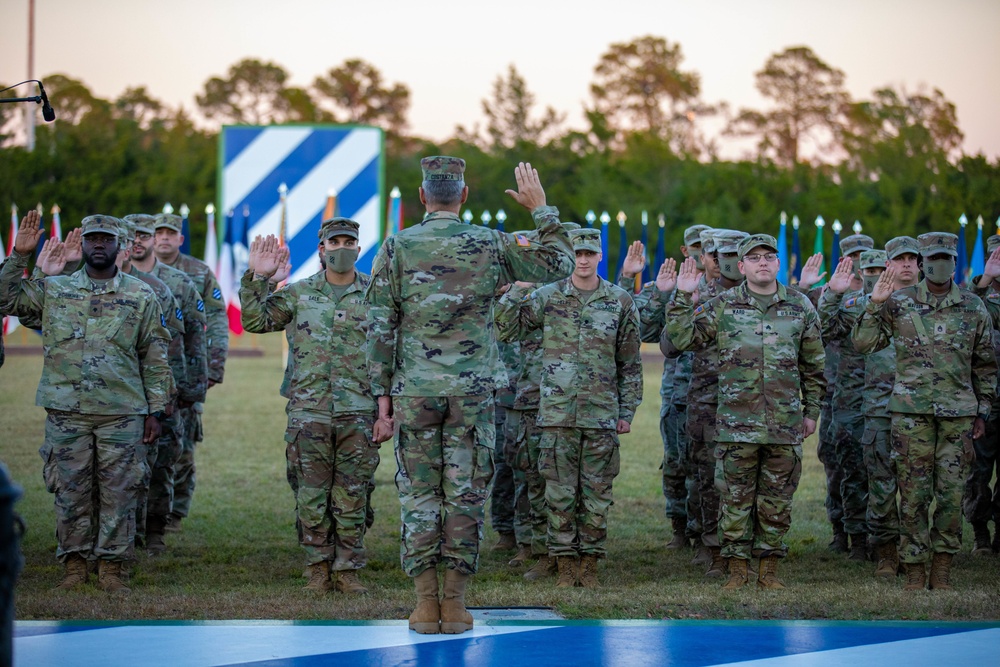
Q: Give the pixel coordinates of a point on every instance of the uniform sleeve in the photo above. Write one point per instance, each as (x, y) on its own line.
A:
(549, 259)
(835, 322)
(385, 298)
(873, 329)
(689, 329)
(652, 306)
(264, 312)
(812, 358)
(20, 297)
(516, 314)
(151, 349)
(984, 365)
(628, 360)
(195, 345)
(217, 323)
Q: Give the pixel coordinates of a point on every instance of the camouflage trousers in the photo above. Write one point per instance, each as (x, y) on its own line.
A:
(444, 464)
(502, 488)
(579, 466)
(703, 501)
(826, 452)
(291, 476)
(157, 491)
(980, 503)
(882, 515)
(184, 470)
(850, 459)
(674, 433)
(526, 437)
(756, 484)
(95, 465)
(333, 464)
(522, 508)
(929, 455)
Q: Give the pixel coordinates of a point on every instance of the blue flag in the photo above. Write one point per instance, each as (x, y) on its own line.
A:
(796, 267)
(622, 248)
(783, 250)
(602, 267)
(960, 261)
(978, 263)
(186, 232)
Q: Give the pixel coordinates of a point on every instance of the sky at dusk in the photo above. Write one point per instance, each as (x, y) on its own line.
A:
(449, 54)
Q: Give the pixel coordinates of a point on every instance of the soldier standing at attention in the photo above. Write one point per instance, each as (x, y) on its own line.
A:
(331, 411)
(434, 365)
(770, 388)
(946, 375)
(591, 385)
(168, 240)
(104, 385)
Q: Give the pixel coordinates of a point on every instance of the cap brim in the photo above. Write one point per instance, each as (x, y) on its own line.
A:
(938, 251)
(759, 245)
(339, 232)
(587, 246)
(112, 232)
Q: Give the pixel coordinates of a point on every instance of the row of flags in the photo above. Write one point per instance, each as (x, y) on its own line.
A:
(228, 259)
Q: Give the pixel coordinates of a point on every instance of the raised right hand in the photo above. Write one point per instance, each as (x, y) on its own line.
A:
(635, 260)
(885, 286)
(687, 279)
(530, 193)
(666, 279)
(28, 233)
(840, 282)
(810, 271)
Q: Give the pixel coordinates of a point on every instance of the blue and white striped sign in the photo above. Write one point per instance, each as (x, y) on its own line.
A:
(311, 160)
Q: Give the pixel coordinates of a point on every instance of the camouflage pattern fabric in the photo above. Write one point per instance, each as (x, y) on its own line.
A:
(173, 320)
(432, 296)
(981, 503)
(528, 437)
(583, 384)
(94, 464)
(195, 384)
(333, 463)
(217, 322)
(757, 483)
(184, 473)
(882, 514)
(825, 448)
(512, 457)
(579, 466)
(105, 345)
(444, 464)
(932, 457)
(502, 486)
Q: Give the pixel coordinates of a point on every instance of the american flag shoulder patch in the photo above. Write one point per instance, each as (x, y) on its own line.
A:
(217, 293)
(522, 240)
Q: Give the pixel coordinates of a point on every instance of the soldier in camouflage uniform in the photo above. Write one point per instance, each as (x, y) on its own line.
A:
(980, 504)
(331, 411)
(837, 309)
(591, 385)
(946, 376)
(770, 388)
(433, 358)
(168, 240)
(502, 513)
(105, 384)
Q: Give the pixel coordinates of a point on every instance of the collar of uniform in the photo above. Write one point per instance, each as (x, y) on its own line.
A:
(83, 281)
(569, 288)
(442, 215)
(923, 295)
(744, 291)
(319, 281)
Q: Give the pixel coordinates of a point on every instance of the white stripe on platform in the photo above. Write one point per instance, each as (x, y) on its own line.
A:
(211, 645)
(977, 647)
(257, 161)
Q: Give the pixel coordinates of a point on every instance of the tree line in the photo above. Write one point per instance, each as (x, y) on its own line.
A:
(893, 160)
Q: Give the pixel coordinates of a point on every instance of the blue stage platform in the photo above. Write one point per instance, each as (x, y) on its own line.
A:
(505, 644)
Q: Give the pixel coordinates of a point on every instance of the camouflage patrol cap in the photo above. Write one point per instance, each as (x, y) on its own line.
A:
(586, 239)
(170, 221)
(126, 231)
(443, 168)
(900, 246)
(103, 224)
(338, 227)
(757, 241)
(873, 259)
(570, 226)
(728, 240)
(141, 223)
(855, 242)
(933, 243)
(992, 243)
(692, 234)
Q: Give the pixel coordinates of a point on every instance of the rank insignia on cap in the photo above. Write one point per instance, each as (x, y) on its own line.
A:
(178, 314)
(217, 293)
(201, 305)
(522, 240)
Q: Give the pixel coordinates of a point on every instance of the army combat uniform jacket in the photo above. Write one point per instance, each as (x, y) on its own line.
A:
(217, 323)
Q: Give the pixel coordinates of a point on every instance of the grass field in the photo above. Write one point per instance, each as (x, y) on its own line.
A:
(237, 557)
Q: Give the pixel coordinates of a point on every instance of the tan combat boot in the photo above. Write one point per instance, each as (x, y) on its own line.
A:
(888, 560)
(348, 582)
(915, 574)
(588, 571)
(155, 527)
(567, 571)
(507, 542)
(455, 618)
(738, 576)
(522, 555)
(717, 568)
(75, 572)
(545, 567)
(679, 540)
(768, 576)
(319, 577)
(110, 577)
(941, 572)
(426, 618)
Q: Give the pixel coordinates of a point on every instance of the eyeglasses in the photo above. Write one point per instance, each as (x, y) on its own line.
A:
(754, 258)
(142, 236)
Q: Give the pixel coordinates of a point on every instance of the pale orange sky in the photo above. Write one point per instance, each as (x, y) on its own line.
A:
(450, 53)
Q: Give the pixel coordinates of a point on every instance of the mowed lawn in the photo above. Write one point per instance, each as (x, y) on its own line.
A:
(237, 557)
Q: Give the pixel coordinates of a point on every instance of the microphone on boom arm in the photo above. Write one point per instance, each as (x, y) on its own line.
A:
(48, 113)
